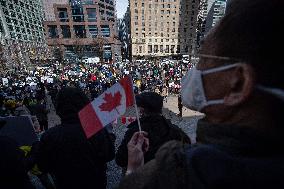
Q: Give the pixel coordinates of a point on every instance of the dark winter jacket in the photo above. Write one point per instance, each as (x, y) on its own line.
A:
(39, 110)
(74, 161)
(229, 157)
(160, 131)
(13, 174)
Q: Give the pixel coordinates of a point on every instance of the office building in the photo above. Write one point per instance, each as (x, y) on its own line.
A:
(211, 11)
(162, 28)
(82, 28)
(124, 34)
(22, 32)
(21, 20)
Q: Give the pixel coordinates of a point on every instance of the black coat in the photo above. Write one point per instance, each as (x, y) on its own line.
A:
(13, 174)
(74, 161)
(39, 110)
(160, 131)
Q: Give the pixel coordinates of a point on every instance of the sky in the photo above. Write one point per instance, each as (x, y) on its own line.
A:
(121, 6)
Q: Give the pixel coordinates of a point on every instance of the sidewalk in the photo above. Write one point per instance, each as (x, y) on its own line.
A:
(172, 105)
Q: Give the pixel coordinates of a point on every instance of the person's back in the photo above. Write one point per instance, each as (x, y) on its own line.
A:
(159, 129)
(66, 153)
(75, 161)
(39, 110)
(12, 170)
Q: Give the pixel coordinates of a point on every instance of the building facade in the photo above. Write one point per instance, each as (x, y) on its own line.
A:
(3, 27)
(83, 28)
(22, 32)
(49, 14)
(124, 34)
(162, 27)
(211, 11)
(188, 26)
(22, 20)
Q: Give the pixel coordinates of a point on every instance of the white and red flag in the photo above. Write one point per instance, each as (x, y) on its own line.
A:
(127, 120)
(107, 107)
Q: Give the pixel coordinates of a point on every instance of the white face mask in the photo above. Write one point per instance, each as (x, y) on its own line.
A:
(192, 90)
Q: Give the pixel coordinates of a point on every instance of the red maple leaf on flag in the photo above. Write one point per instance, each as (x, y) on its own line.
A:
(111, 102)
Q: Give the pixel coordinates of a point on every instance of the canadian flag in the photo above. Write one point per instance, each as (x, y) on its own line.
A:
(107, 107)
(127, 120)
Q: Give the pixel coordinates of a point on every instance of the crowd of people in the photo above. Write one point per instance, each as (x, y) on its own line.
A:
(237, 84)
(28, 86)
(96, 77)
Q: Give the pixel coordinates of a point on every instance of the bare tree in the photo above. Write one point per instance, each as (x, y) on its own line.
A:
(79, 49)
(58, 52)
(98, 44)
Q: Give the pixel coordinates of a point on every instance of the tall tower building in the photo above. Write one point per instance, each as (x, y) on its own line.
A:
(124, 34)
(83, 28)
(22, 32)
(3, 27)
(22, 20)
(162, 28)
(188, 26)
(210, 12)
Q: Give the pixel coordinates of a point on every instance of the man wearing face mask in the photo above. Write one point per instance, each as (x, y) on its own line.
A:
(238, 84)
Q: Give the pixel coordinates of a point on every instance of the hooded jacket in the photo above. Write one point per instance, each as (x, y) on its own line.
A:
(66, 153)
(74, 161)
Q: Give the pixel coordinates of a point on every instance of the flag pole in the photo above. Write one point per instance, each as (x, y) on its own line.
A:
(136, 109)
(137, 116)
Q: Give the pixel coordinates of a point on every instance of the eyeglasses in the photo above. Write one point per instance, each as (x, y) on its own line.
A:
(197, 57)
(213, 56)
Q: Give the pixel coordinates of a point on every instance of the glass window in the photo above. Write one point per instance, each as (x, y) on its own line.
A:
(161, 48)
(1, 28)
(62, 14)
(105, 30)
(156, 49)
(80, 31)
(172, 49)
(52, 31)
(92, 16)
(149, 48)
(77, 14)
(66, 31)
(178, 49)
(93, 29)
(167, 48)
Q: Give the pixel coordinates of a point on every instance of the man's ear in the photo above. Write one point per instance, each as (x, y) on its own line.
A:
(241, 85)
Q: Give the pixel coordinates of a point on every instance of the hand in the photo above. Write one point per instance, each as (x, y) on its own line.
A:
(36, 124)
(137, 146)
